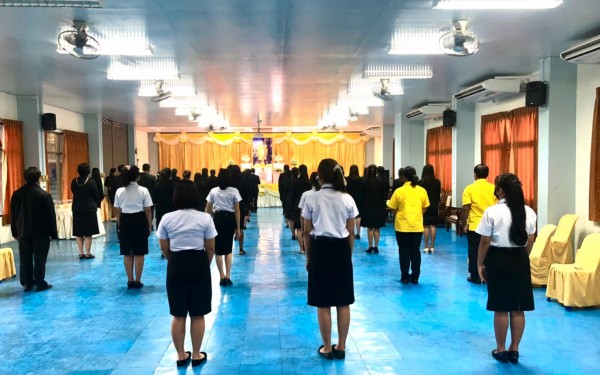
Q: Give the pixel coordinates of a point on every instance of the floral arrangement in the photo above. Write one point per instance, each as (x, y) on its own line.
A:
(245, 158)
(294, 162)
(230, 162)
(278, 159)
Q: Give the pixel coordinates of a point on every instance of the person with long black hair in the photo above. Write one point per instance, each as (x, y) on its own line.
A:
(162, 194)
(374, 193)
(354, 185)
(433, 187)
(223, 203)
(300, 185)
(408, 203)
(97, 177)
(328, 219)
(134, 219)
(86, 201)
(507, 232)
(289, 217)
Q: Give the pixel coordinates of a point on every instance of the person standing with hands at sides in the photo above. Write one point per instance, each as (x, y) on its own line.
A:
(33, 224)
(134, 217)
(507, 232)
(282, 185)
(187, 240)
(223, 203)
(373, 213)
(300, 185)
(328, 216)
(354, 185)
(433, 187)
(86, 201)
(476, 198)
(408, 203)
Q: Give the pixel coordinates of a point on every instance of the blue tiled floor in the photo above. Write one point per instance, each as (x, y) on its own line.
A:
(91, 324)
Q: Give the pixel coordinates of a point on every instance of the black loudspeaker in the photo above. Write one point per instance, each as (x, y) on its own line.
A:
(49, 121)
(535, 94)
(449, 118)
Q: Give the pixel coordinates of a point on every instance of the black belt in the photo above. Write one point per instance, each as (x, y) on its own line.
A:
(328, 239)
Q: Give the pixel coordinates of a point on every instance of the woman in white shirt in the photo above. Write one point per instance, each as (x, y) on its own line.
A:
(328, 216)
(223, 203)
(134, 219)
(507, 233)
(187, 240)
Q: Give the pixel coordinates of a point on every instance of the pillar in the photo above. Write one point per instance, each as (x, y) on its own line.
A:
(29, 111)
(463, 150)
(93, 127)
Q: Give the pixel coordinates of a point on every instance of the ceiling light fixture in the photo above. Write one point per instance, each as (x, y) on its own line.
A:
(416, 40)
(52, 3)
(496, 4)
(128, 69)
(397, 70)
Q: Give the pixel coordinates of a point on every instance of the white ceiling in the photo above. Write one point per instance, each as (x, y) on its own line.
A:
(242, 53)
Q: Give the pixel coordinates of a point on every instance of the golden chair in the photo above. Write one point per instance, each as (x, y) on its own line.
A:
(561, 244)
(578, 284)
(540, 255)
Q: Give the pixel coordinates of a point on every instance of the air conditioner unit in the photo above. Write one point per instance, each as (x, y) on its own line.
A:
(491, 89)
(587, 52)
(428, 111)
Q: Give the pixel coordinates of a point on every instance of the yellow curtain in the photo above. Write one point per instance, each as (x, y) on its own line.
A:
(75, 152)
(13, 163)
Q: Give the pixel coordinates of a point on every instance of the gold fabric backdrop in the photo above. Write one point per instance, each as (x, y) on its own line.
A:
(195, 151)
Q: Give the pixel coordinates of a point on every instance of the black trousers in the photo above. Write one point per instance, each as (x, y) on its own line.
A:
(410, 255)
(473, 239)
(33, 253)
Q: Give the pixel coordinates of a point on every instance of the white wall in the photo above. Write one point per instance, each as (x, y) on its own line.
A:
(66, 120)
(141, 145)
(8, 106)
(588, 78)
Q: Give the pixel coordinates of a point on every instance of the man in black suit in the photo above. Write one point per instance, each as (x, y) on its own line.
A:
(33, 224)
(255, 182)
(148, 181)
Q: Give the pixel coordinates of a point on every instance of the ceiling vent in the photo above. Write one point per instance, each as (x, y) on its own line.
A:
(491, 90)
(587, 52)
(428, 111)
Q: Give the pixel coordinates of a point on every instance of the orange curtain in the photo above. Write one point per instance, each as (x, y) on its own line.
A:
(495, 144)
(594, 164)
(13, 154)
(75, 152)
(439, 154)
(524, 133)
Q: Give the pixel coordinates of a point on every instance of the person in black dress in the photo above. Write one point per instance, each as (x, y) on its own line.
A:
(238, 181)
(354, 185)
(162, 195)
(433, 187)
(108, 183)
(289, 217)
(86, 201)
(98, 180)
(399, 181)
(282, 186)
(300, 185)
(174, 176)
(328, 222)
(374, 207)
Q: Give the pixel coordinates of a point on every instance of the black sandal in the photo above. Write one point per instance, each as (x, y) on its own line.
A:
(198, 362)
(513, 356)
(325, 355)
(185, 362)
(338, 354)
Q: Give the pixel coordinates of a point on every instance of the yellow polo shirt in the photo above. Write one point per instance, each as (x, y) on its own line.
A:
(409, 201)
(480, 195)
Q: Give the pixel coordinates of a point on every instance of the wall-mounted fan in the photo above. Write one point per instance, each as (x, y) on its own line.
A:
(160, 93)
(459, 41)
(352, 115)
(193, 116)
(78, 43)
(384, 92)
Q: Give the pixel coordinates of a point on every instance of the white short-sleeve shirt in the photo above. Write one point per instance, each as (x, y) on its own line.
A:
(132, 198)
(329, 210)
(303, 198)
(186, 229)
(496, 222)
(224, 200)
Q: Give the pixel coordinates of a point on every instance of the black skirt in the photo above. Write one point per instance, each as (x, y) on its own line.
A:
(509, 279)
(188, 283)
(133, 234)
(85, 223)
(330, 275)
(431, 216)
(225, 225)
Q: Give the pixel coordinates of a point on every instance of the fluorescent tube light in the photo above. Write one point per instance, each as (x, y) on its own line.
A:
(416, 40)
(52, 3)
(497, 4)
(399, 70)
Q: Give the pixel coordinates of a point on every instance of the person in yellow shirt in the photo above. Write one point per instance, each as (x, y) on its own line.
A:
(408, 203)
(475, 199)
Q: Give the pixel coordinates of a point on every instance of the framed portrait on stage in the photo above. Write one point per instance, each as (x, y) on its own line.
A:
(262, 150)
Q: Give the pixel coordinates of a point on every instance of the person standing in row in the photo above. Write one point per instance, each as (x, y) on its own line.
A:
(148, 181)
(300, 185)
(33, 224)
(328, 216)
(162, 195)
(374, 194)
(97, 178)
(282, 185)
(507, 232)
(255, 180)
(433, 187)
(408, 204)
(187, 240)
(86, 201)
(223, 203)
(238, 181)
(354, 184)
(476, 198)
(134, 217)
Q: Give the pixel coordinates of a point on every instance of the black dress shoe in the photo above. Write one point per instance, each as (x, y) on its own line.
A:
(228, 282)
(223, 282)
(198, 362)
(474, 280)
(338, 354)
(376, 250)
(325, 355)
(42, 287)
(404, 281)
(28, 288)
(357, 237)
(414, 280)
(130, 285)
(137, 285)
(185, 362)
(513, 356)
(370, 250)
(500, 356)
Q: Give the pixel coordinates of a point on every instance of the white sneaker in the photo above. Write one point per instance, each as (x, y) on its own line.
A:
(426, 250)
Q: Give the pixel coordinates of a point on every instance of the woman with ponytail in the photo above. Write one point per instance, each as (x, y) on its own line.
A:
(374, 195)
(408, 203)
(328, 223)
(507, 233)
